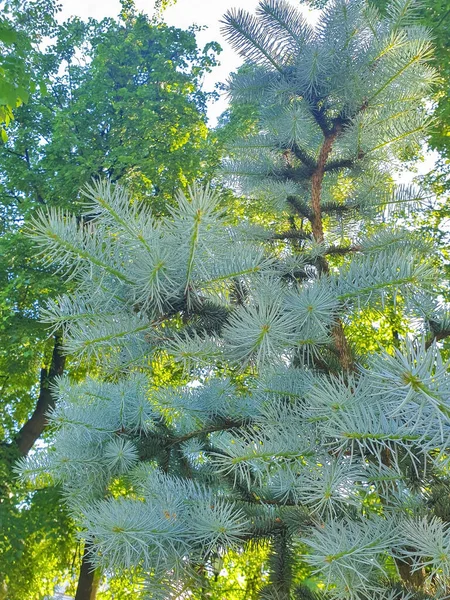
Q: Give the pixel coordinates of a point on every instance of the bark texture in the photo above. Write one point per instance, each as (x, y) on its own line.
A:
(89, 578)
(340, 341)
(33, 428)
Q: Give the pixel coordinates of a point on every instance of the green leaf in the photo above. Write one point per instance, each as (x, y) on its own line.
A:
(7, 35)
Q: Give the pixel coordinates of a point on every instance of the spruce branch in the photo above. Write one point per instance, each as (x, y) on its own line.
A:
(225, 392)
(251, 40)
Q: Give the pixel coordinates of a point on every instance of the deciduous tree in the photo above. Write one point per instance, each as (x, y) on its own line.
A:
(121, 98)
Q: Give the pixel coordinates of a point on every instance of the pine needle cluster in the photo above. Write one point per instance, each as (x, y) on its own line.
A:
(279, 430)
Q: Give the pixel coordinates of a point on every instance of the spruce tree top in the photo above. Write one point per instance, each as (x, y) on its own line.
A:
(346, 97)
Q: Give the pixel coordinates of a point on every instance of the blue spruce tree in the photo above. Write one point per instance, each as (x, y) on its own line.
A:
(281, 430)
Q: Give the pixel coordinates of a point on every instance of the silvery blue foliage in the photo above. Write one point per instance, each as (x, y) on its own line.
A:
(277, 431)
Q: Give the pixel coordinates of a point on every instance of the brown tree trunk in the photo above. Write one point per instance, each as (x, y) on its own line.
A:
(316, 185)
(89, 578)
(33, 428)
(340, 341)
(413, 580)
(342, 346)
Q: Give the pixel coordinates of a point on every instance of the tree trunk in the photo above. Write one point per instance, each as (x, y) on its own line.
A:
(413, 580)
(33, 428)
(340, 341)
(316, 184)
(89, 578)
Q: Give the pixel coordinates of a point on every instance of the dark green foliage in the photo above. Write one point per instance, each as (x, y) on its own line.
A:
(118, 98)
(37, 541)
(304, 593)
(439, 500)
(22, 26)
(280, 566)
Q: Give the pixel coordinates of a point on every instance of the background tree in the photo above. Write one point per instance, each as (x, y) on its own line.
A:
(121, 98)
(285, 432)
(18, 77)
(148, 128)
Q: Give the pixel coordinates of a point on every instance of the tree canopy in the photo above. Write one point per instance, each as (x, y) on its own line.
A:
(129, 108)
(122, 99)
(280, 429)
(22, 27)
